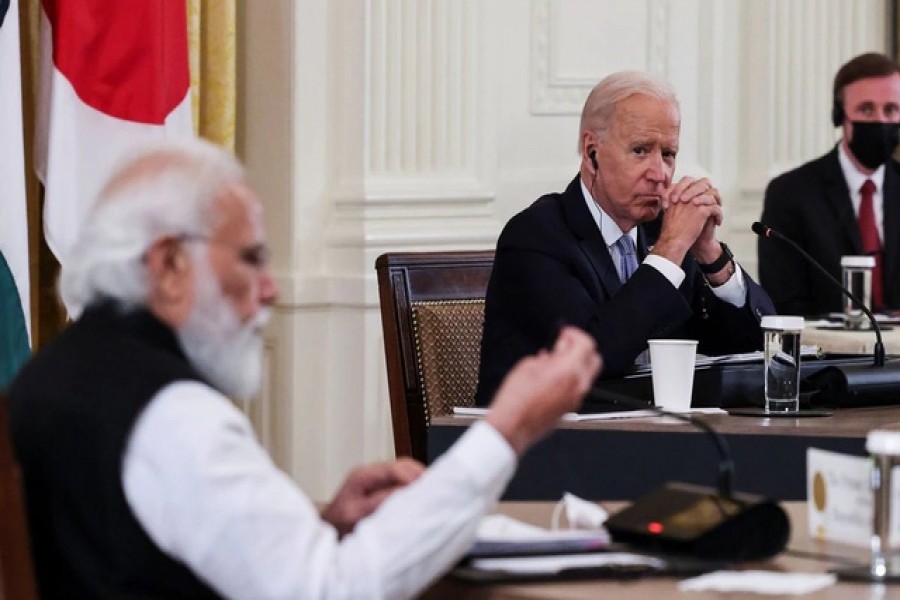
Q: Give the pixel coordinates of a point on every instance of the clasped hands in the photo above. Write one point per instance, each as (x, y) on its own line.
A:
(692, 209)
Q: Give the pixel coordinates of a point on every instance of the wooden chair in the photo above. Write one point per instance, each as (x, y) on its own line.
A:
(432, 314)
(16, 573)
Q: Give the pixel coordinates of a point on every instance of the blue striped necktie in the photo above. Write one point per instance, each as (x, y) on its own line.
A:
(627, 257)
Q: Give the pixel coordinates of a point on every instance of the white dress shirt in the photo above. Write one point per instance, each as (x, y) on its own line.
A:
(208, 495)
(733, 291)
(855, 179)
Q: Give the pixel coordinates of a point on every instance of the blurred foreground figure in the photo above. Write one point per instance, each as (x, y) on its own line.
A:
(141, 477)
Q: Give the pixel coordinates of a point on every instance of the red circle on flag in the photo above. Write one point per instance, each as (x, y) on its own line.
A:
(125, 58)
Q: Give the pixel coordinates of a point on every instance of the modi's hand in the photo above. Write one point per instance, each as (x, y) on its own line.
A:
(366, 488)
(541, 388)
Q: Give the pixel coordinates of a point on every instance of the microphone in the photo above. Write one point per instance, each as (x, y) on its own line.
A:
(847, 385)
(767, 232)
(725, 475)
(693, 520)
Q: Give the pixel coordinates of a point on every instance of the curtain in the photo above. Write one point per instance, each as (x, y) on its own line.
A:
(211, 37)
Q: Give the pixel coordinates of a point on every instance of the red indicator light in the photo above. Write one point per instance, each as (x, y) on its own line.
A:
(655, 527)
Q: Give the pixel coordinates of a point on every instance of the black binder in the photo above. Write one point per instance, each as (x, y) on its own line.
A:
(726, 385)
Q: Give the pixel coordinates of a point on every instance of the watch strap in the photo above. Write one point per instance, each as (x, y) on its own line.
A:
(719, 263)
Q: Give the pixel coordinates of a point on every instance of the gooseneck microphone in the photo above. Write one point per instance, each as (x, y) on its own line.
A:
(679, 518)
(725, 476)
(848, 384)
(767, 232)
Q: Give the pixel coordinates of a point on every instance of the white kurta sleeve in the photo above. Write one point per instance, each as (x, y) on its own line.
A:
(208, 494)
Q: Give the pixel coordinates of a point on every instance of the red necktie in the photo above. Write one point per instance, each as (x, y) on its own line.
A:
(871, 243)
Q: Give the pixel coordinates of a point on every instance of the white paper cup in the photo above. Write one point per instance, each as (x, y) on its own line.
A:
(672, 369)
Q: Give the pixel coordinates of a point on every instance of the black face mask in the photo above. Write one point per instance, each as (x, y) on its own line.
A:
(874, 142)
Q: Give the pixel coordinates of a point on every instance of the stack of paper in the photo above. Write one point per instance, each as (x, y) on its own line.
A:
(500, 535)
(469, 411)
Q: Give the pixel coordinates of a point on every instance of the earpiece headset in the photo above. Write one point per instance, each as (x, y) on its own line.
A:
(592, 154)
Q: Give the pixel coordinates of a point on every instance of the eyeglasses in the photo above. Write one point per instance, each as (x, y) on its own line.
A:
(254, 255)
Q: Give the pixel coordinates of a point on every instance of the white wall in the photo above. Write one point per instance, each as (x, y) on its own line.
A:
(378, 125)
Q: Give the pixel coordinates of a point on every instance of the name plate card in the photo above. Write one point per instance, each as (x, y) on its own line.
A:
(839, 499)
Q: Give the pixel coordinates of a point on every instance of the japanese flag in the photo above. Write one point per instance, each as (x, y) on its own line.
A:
(114, 74)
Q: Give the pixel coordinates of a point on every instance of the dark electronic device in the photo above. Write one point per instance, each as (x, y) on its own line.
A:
(679, 518)
(690, 520)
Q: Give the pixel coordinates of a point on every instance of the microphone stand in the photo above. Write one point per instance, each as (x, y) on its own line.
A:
(848, 385)
(878, 352)
(676, 517)
(725, 476)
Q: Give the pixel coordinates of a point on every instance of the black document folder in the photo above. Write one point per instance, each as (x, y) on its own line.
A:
(614, 563)
(720, 385)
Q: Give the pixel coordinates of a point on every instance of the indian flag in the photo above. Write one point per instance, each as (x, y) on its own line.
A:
(114, 75)
(14, 287)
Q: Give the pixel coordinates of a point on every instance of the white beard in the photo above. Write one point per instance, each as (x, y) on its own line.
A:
(222, 349)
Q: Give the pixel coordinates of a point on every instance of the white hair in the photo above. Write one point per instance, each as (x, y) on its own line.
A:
(168, 189)
(601, 103)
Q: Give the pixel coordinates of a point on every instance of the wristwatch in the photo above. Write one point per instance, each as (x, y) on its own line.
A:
(719, 264)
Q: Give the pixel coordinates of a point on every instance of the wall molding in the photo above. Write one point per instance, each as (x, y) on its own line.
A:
(555, 94)
(422, 112)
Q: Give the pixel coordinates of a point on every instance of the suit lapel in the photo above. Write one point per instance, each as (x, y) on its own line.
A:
(590, 240)
(838, 195)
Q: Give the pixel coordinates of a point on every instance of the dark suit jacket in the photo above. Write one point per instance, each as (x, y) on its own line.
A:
(553, 267)
(811, 205)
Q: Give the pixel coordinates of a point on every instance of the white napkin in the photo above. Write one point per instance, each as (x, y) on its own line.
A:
(760, 582)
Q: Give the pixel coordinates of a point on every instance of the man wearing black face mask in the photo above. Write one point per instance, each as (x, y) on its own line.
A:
(844, 203)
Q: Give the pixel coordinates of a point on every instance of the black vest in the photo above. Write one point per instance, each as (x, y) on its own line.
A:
(72, 409)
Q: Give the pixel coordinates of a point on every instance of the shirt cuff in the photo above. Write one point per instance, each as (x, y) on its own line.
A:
(669, 270)
(733, 291)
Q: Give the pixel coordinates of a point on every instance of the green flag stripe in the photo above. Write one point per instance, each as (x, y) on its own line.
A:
(14, 346)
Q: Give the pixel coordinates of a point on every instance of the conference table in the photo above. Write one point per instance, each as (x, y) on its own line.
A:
(624, 458)
(804, 555)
